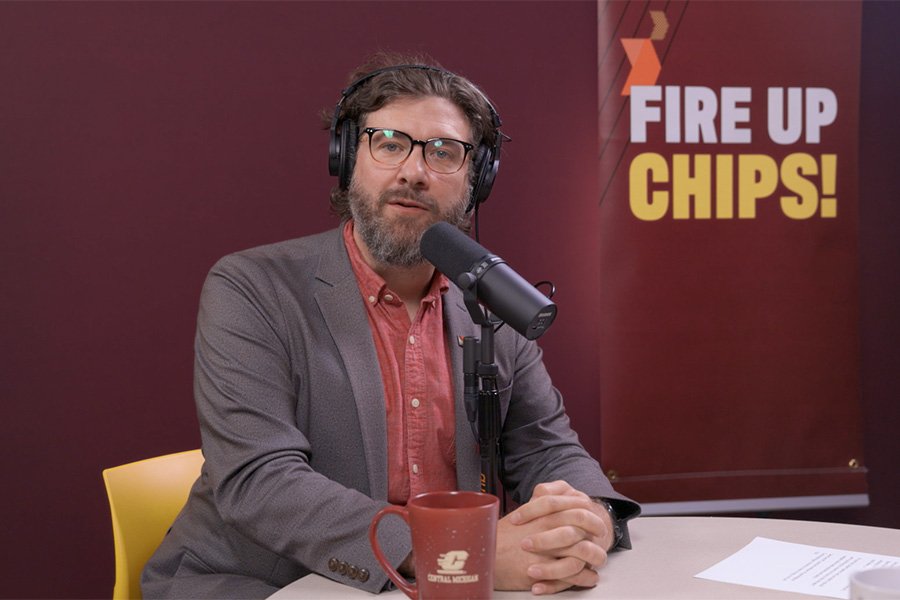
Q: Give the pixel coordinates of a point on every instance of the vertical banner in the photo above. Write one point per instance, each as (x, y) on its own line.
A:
(728, 261)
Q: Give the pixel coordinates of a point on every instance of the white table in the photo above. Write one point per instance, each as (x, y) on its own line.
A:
(668, 552)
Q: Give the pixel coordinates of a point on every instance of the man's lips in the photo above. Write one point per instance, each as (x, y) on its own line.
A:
(403, 202)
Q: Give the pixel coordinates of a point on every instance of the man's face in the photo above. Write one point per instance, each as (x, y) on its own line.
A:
(392, 206)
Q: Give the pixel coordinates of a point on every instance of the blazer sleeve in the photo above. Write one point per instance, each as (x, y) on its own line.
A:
(538, 442)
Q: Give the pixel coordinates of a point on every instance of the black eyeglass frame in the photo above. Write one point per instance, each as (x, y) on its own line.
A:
(414, 142)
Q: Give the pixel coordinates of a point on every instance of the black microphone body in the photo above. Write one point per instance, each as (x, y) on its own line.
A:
(498, 287)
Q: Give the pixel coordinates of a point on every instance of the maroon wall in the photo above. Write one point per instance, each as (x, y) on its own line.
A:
(141, 141)
(879, 247)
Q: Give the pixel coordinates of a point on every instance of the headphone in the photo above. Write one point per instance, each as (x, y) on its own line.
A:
(344, 138)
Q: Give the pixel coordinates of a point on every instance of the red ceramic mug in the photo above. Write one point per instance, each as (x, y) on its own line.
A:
(454, 539)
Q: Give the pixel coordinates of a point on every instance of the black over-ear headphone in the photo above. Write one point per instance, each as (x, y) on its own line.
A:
(344, 137)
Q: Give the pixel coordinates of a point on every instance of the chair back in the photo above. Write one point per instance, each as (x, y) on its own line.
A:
(144, 499)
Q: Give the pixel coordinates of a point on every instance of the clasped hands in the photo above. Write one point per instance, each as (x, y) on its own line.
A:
(553, 542)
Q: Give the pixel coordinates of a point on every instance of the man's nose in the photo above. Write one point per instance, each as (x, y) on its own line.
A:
(413, 171)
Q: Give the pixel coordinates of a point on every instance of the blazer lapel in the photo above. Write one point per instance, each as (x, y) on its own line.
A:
(345, 316)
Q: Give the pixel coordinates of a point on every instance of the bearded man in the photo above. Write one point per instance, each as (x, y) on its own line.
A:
(328, 377)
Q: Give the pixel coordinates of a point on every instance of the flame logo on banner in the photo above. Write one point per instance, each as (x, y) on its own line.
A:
(645, 65)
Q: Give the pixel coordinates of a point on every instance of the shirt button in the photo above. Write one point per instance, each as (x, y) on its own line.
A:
(372, 299)
(388, 297)
(416, 469)
(415, 402)
(412, 339)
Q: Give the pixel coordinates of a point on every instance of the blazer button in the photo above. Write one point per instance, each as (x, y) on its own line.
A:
(363, 575)
(333, 564)
(342, 568)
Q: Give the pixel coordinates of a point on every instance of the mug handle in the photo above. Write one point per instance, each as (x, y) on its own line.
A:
(409, 589)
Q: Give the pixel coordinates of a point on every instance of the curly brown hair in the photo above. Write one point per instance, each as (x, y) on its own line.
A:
(386, 87)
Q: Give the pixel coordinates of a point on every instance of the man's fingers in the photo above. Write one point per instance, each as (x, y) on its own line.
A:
(555, 539)
(542, 588)
(562, 529)
(561, 568)
(585, 550)
(585, 578)
(542, 506)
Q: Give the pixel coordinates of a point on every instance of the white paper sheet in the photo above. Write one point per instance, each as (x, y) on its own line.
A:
(785, 566)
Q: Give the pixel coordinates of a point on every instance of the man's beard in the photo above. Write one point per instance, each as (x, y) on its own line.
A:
(395, 241)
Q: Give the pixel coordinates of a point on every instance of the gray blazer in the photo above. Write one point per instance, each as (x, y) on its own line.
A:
(292, 418)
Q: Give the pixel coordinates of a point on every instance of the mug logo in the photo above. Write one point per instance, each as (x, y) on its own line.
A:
(451, 568)
(453, 562)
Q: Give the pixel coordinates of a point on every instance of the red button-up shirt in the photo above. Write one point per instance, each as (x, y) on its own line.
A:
(418, 386)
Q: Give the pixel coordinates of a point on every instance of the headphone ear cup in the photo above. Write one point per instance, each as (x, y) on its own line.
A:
(349, 136)
(485, 165)
(334, 149)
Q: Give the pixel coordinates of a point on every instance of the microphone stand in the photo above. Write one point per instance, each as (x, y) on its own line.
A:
(481, 395)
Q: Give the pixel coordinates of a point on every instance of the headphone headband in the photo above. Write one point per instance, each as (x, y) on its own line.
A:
(344, 136)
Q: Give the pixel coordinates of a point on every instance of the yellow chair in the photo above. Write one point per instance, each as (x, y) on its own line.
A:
(144, 499)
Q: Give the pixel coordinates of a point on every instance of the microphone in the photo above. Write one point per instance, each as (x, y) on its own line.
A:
(503, 291)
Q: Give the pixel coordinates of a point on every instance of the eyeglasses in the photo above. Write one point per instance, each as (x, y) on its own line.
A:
(392, 147)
